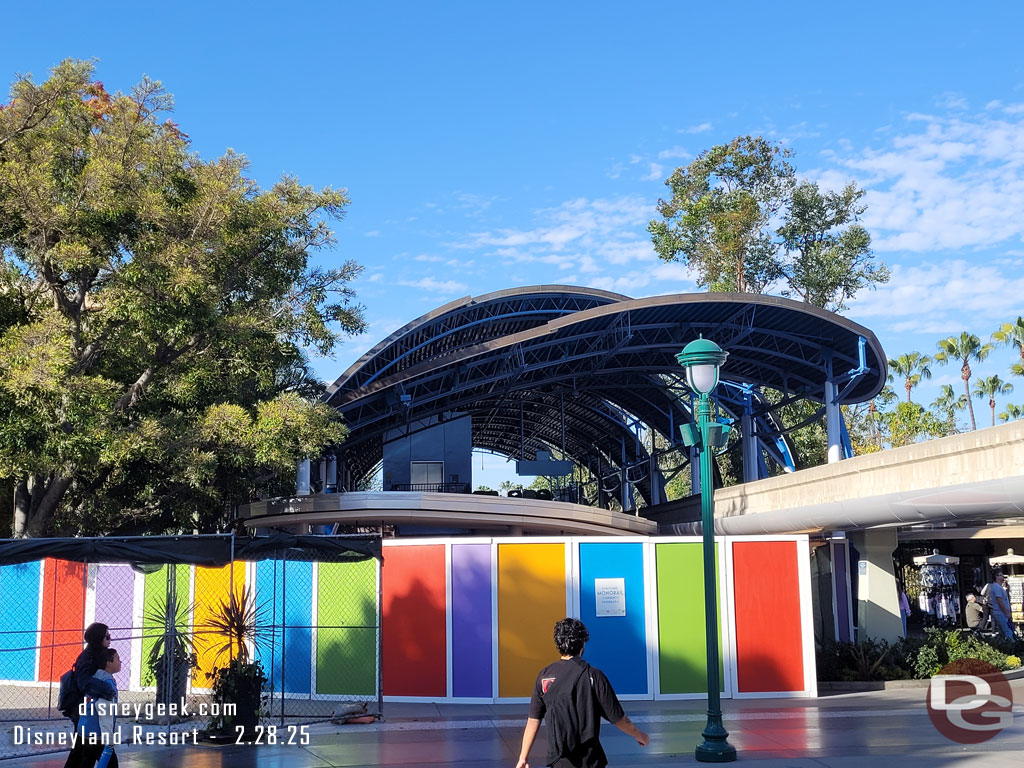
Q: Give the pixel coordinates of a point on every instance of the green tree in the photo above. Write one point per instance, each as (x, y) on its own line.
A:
(720, 217)
(828, 253)
(947, 404)
(717, 220)
(1011, 412)
(912, 367)
(990, 387)
(909, 422)
(965, 347)
(154, 310)
(1012, 335)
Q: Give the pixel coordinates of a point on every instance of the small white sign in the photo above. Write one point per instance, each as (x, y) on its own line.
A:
(862, 567)
(611, 597)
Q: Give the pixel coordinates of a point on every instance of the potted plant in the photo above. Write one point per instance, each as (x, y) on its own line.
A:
(238, 621)
(172, 657)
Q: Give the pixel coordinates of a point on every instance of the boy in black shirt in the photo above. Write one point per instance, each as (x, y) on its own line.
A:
(574, 696)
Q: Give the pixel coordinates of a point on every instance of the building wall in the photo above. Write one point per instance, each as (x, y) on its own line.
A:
(450, 441)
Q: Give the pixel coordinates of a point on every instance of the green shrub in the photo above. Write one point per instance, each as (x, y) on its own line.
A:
(908, 658)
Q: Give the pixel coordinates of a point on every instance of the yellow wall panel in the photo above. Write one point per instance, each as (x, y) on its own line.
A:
(531, 598)
(213, 587)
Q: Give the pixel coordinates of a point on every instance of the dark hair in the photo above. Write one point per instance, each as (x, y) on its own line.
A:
(996, 574)
(96, 633)
(107, 656)
(570, 635)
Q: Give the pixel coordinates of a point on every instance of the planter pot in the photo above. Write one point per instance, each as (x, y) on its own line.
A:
(175, 693)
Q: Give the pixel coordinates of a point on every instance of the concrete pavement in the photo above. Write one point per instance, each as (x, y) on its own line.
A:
(882, 728)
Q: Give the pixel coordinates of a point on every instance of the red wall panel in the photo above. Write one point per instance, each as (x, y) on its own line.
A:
(63, 617)
(768, 617)
(414, 633)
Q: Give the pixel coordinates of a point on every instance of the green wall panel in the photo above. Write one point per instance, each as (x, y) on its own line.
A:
(154, 605)
(681, 629)
(346, 641)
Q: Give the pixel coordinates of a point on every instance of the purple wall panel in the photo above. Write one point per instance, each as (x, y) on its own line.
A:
(471, 620)
(841, 603)
(115, 594)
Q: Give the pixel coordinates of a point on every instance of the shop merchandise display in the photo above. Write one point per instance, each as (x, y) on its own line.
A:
(939, 600)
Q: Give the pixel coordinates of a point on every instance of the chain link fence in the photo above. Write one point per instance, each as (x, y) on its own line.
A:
(314, 627)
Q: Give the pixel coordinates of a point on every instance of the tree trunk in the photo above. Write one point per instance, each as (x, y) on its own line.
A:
(965, 374)
(36, 502)
(992, 405)
(908, 385)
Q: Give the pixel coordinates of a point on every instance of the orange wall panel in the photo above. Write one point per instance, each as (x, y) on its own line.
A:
(63, 617)
(531, 598)
(213, 587)
(414, 637)
(769, 645)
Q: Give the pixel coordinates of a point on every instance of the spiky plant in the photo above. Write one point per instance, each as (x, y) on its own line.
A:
(240, 622)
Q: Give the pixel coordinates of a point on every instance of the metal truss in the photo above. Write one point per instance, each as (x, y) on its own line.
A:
(587, 372)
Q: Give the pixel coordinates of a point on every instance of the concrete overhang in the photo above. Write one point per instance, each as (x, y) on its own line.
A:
(445, 510)
(974, 475)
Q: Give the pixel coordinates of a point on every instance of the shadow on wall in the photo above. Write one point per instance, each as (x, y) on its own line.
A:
(346, 633)
(414, 644)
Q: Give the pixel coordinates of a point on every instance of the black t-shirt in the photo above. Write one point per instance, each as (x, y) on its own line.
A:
(594, 698)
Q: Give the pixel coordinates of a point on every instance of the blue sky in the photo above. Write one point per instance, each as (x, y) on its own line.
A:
(487, 145)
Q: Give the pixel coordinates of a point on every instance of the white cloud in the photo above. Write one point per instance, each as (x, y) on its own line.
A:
(428, 257)
(372, 233)
(435, 286)
(673, 153)
(655, 171)
(935, 297)
(701, 128)
(947, 182)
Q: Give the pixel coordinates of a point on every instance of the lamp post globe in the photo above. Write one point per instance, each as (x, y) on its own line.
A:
(702, 359)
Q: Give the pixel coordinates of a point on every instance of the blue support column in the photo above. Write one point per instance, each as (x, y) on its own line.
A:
(751, 448)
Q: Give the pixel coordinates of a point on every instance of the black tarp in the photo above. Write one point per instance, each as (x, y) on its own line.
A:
(209, 550)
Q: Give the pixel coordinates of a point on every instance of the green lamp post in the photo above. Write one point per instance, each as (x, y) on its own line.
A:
(702, 358)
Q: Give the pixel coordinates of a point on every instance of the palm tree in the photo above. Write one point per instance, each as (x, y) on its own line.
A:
(912, 368)
(1012, 335)
(1012, 413)
(965, 347)
(990, 387)
(947, 403)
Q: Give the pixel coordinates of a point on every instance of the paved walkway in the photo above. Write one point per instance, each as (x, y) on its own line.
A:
(884, 728)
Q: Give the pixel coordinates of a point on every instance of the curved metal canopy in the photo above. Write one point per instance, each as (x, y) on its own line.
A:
(580, 369)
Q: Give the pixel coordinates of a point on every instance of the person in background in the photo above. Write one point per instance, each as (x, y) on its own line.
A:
(93, 657)
(904, 607)
(97, 724)
(999, 604)
(574, 696)
(974, 612)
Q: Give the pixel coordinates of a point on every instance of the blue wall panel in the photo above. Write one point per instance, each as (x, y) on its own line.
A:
(286, 589)
(618, 644)
(19, 618)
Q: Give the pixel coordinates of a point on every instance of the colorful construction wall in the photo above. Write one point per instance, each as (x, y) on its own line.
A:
(463, 619)
(471, 619)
